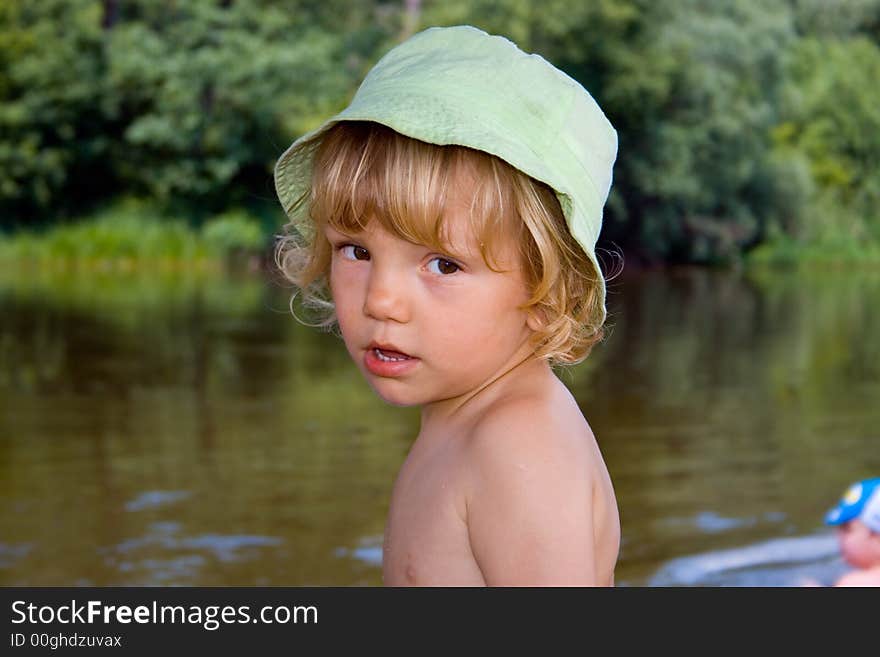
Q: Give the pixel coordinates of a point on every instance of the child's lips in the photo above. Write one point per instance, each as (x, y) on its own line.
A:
(388, 363)
(388, 349)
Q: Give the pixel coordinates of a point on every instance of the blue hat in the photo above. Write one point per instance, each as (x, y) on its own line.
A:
(861, 501)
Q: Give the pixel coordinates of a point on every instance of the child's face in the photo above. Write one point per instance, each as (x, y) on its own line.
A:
(456, 318)
(858, 544)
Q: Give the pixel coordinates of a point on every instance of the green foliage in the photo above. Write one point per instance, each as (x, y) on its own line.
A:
(133, 235)
(692, 87)
(185, 103)
(832, 119)
(233, 231)
(54, 130)
(209, 89)
(741, 123)
(695, 106)
(780, 250)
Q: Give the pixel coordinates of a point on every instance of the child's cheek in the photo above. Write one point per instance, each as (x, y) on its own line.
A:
(343, 275)
(344, 292)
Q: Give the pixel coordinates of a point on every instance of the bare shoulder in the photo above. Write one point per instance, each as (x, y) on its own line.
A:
(530, 430)
(540, 504)
(541, 433)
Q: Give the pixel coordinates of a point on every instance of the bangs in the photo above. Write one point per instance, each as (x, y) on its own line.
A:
(364, 171)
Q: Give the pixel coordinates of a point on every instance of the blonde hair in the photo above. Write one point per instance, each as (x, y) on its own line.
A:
(363, 171)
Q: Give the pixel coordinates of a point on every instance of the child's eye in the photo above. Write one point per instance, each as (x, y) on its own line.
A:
(354, 252)
(444, 267)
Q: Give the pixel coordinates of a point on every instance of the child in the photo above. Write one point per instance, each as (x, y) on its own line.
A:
(446, 221)
(857, 518)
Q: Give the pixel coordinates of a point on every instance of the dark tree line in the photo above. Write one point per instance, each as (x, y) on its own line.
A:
(741, 122)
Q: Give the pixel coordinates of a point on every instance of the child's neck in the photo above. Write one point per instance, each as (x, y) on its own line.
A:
(460, 411)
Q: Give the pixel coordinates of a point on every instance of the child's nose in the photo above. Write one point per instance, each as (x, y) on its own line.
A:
(386, 296)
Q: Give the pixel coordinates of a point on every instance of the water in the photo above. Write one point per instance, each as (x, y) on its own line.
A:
(187, 431)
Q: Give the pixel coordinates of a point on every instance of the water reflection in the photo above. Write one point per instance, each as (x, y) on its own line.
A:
(741, 396)
(185, 430)
(778, 562)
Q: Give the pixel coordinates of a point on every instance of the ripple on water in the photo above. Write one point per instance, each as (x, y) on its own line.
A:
(777, 562)
(10, 553)
(163, 555)
(369, 551)
(714, 523)
(154, 499)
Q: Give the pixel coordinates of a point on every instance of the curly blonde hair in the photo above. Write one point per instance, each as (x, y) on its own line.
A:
(362, 171)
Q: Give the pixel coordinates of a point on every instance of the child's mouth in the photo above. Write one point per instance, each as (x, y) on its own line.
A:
(390, 356)
(388, 362)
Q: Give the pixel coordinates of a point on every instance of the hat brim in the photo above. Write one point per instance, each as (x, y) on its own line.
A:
(840, 515)
(448, 127)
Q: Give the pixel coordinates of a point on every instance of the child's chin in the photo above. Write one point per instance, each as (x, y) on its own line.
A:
(398, 400)
(395, 397)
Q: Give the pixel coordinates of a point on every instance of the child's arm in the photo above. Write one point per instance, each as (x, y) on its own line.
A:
(529, 506)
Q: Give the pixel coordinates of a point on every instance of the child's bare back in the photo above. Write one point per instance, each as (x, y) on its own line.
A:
(514, 492)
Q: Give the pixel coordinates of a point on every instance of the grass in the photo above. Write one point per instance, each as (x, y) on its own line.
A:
(785, 251)
(131, 236)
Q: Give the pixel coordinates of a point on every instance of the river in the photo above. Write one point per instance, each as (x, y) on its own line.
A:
(186, 430)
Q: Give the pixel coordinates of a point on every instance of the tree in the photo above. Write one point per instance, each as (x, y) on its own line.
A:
(54, 128)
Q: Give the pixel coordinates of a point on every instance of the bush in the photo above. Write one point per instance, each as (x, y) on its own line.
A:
(132, 233)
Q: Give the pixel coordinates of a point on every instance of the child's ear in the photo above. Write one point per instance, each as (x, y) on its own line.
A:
(535, 319)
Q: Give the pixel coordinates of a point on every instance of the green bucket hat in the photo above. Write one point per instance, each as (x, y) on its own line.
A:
(460, 85)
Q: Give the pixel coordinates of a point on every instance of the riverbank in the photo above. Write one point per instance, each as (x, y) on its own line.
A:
(132, 235)
(835, 253)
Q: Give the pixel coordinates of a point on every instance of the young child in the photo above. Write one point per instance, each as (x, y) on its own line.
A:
(857, 518)
(446, 221)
